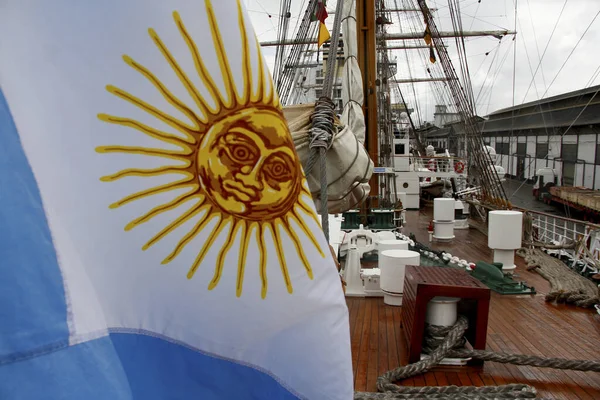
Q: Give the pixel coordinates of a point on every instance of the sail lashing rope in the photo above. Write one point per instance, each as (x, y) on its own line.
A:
(322, 130)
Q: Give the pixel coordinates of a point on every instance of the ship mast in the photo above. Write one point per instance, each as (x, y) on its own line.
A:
(367, 55)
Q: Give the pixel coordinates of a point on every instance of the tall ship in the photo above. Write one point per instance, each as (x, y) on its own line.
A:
(420, 214)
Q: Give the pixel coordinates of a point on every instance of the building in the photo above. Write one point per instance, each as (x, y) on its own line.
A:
(441, 116)
(559, 132)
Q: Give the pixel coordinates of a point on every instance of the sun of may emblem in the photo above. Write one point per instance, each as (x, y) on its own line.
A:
(236, 159)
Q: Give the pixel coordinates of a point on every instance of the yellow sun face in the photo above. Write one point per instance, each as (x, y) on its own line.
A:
(236, 160)
(248, 167)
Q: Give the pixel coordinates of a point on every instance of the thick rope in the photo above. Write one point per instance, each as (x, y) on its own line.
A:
(452, 345)
(321, 139)
(566, 286)
(459, 351)
(322, 131)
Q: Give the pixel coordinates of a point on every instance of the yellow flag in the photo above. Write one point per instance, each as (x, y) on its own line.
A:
(427, 35)
(323, 34)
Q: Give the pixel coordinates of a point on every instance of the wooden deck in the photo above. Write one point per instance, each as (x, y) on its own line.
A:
(517, 324)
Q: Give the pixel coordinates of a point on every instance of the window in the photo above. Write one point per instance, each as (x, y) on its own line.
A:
(598, 154)
(541, 150)
(521, 149)
(318, 93)
(502, 148)
(569, 152)
(487, 141)
(399, 149)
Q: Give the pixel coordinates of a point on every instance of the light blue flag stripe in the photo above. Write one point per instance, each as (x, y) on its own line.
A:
(32, 301)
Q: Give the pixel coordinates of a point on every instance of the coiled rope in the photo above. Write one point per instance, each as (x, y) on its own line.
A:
(566, 286)
(452, 345)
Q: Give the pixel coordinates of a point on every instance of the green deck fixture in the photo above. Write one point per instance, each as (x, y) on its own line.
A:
(492, 276)
(351, 220)
(378, 219)
(381, 219)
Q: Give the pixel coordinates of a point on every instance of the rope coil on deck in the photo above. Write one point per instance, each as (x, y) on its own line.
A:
(566, 285)
(453, 346)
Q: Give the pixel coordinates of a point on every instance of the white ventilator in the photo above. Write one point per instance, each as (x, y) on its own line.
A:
(393, 267)
(505, 230)
(443, 219)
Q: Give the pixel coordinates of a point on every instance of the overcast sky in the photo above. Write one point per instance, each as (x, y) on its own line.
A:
(492, 74)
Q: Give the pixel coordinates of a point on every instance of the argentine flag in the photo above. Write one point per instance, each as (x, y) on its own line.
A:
(157, 235)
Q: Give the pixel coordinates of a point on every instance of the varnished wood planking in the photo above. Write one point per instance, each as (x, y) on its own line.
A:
(521, 324)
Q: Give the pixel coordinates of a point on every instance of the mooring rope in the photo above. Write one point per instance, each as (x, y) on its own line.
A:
(452, 345)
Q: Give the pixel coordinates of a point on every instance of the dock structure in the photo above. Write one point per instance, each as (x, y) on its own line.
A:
(559, 132)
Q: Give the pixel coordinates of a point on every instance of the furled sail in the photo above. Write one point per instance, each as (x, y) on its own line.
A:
(349, 167)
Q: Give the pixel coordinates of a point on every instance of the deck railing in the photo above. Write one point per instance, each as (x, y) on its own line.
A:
(556, 230)
(548, 228)
(439, 164)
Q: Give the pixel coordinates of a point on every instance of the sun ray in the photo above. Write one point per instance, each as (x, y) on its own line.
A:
(146, 151)
(298, 246)
(201, 224)
(170, 97)
(211, 238)
(260, 92)
(237, 225)
(189, 214)
(225, 190)
(271, 91)
(274, 96)
(308, 211)
(176, 202)
(152, 132)
(230, 89)
(284, 271)
(169, 169)
(306, 230)
(245, 56)
(155, 190)
(262, 263)
(244, 244)
(183, 78)
(163, 116)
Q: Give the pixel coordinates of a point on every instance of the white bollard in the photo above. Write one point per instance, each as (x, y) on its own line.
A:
(442, 311)
(354, 285)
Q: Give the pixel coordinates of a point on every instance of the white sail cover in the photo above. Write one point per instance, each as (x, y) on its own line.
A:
(157, 235)
(352, 84)
(349, 167)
